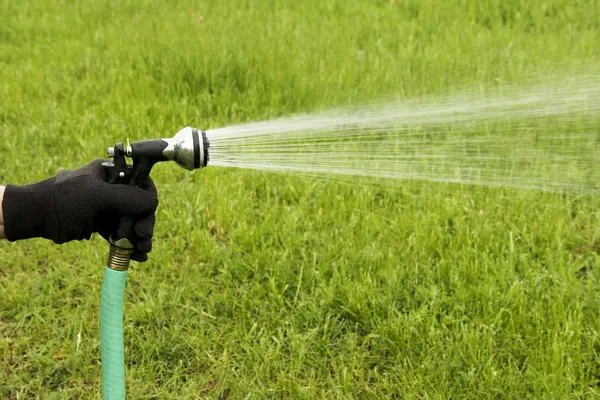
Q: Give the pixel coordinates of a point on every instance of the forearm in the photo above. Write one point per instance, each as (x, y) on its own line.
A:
(1, 214)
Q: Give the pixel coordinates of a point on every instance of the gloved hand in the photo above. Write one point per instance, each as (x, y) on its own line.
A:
(74, 204)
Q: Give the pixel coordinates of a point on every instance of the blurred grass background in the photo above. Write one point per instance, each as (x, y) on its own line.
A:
(264, 286)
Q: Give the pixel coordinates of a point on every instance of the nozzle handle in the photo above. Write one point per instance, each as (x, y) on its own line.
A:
(120, 173)
(139, 177)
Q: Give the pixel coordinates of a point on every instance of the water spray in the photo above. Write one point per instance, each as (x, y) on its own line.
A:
(537, 136)
(188, 148)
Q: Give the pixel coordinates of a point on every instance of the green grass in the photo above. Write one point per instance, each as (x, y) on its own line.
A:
(266, 286)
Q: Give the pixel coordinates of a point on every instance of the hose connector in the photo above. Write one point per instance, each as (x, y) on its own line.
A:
(119, 255)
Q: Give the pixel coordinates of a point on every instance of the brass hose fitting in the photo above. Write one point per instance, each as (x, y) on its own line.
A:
(118, 258)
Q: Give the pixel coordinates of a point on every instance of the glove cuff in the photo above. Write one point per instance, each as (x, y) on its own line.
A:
(29, 210)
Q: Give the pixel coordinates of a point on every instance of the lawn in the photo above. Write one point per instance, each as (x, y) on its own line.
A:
(268, 286)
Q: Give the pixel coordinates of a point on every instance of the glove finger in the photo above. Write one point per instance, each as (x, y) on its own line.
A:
(126, 199)
(139, 257)
(143, 246)
(144, 227)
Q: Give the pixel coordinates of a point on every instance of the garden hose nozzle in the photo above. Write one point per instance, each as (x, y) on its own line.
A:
(188, 148)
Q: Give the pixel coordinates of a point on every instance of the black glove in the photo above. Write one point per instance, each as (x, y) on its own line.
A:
(74, 204)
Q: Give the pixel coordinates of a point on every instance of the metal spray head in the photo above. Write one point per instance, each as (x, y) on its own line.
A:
(188, 148)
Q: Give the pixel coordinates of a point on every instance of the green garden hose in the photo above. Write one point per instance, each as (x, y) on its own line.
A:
(111, 334)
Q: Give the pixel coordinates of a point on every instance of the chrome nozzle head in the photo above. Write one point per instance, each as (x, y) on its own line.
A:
(188, 148)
